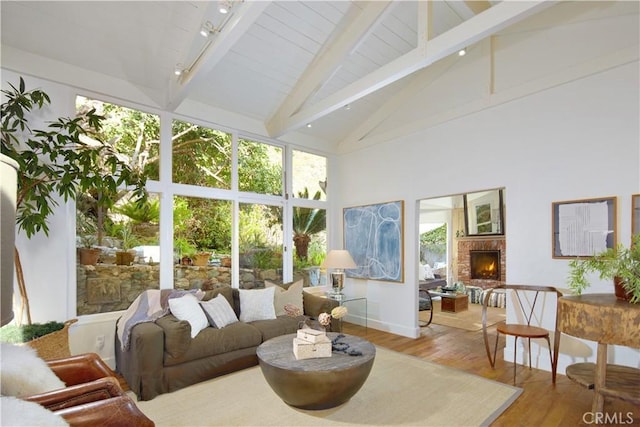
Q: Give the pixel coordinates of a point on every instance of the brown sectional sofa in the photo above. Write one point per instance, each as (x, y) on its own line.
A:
(162, 356)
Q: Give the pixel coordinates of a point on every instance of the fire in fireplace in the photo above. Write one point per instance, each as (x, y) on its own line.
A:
(485, 264)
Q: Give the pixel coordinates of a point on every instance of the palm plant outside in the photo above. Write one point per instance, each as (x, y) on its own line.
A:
(306, 223)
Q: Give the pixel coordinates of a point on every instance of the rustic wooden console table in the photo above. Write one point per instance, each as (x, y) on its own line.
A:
(606, 320)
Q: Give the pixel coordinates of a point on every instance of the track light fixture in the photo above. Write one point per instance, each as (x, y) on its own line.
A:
(206, 29)
(224, 6)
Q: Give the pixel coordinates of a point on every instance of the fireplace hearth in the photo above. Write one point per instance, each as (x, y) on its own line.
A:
(485, 264)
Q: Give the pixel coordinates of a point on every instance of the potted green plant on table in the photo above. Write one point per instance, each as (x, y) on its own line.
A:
(621, 264)
(59, 161)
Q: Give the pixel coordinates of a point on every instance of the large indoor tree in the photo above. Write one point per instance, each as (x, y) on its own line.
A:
(63, 160)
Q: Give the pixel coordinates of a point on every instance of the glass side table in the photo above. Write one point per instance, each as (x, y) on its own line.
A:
(344, 300)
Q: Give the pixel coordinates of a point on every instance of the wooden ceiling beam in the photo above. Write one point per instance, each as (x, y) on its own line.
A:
(467, 33)
(356, 26)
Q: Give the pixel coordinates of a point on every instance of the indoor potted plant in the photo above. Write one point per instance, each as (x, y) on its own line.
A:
(58, 161)
(621, 264)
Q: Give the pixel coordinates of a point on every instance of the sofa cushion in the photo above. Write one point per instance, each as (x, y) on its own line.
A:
(187, 308)
(212, 341)
(288, 293)
(219, 312)
(177, 335)
(225, 291)
(257, 304)
(282, 325)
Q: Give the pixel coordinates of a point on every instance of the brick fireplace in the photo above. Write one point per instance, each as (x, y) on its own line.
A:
(487, 247)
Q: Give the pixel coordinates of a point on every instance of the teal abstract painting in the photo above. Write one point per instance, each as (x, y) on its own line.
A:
(373, 236)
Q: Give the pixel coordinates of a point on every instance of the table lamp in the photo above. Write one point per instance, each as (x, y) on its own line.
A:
(339, 260)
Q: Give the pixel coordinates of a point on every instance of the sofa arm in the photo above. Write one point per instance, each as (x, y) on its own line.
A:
(80, 369)
(142, 364)
(118, 411)
(316, 304)
(100, 389)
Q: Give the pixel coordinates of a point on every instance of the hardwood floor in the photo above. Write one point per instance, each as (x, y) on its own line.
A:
(541, 403)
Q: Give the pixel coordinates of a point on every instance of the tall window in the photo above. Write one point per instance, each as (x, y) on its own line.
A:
(201, 242)
(260, 244)
(309, 185)
(201, 156)
(309, 175)
(259, 168)
(203, 196)
(112, 237)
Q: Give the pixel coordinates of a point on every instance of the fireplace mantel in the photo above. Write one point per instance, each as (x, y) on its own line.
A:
(472, 238)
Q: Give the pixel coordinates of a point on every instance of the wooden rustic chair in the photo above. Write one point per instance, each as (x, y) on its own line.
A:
(525, 329)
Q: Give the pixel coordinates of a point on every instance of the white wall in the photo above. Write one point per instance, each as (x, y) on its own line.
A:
(578, 140)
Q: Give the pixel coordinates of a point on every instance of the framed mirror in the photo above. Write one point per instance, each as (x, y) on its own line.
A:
(483, 213)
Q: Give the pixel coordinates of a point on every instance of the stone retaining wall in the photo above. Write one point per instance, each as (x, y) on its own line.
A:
(104, 288)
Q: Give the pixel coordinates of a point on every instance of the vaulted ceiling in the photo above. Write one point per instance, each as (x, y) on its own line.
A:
(284, 64)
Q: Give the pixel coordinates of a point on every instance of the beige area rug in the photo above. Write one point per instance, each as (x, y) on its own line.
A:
(470, 320)
(401, 390)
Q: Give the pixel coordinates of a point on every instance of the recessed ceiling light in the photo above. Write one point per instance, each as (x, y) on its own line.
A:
(347, 107)
(308, 125)
(462, 52)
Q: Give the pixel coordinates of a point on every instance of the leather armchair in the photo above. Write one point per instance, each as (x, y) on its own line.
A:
(118, 411)
(93, 395)
(80, 369)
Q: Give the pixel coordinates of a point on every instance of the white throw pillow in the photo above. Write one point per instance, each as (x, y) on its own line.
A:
(257, 304)
(219, 312)
(23, 373)
(428, 272)
(187, 308)
(282, 297)
(20, 413)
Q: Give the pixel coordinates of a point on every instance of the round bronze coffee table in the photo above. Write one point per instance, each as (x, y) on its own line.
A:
(315, 383)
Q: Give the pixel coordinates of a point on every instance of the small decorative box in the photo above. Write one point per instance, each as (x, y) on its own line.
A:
(309, 350)
(312, 335)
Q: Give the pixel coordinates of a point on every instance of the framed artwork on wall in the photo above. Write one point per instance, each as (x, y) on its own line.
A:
(635, 214)
(483, 213)
(582, 228)
(373, 235)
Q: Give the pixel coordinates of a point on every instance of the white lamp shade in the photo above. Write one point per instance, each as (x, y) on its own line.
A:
(339, 258)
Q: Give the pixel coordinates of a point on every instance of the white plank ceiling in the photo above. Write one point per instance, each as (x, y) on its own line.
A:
(282, 63)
